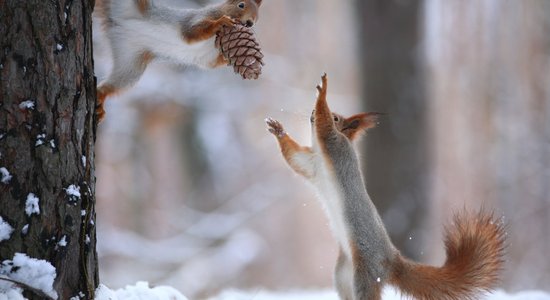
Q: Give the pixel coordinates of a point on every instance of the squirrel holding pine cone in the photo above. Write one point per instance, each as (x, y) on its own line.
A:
(141, 31)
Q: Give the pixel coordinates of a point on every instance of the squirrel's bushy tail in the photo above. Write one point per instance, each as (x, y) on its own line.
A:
(475, 249)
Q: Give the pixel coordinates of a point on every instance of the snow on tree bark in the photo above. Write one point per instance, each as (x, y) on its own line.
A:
(47, 99)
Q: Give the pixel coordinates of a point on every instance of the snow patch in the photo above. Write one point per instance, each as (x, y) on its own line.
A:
(140, 290)
(25, 229)
(27, 104)
(14, 293)
(31, 205)
(5, 230)
(38, 274)
(62, 242)
(83, 158)
(80, 295)
(73, 191)
(6, 177)
(40, 139)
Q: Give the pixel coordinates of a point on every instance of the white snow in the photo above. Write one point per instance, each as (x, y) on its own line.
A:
(140, 290)
(5, 230)
(14, 293)
(27, 104)
(40, 139)
(6, 177)
(59, 47)
(31, 205)
(39, 274)
(52, 143)
(25, 229)
(83, 161)
(73, 190)
(62, 242)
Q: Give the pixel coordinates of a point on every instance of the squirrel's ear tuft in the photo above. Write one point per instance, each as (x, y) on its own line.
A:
(258, 2)
(357, 124)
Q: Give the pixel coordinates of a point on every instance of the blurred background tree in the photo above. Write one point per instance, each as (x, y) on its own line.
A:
(397, 154)
(193, 192)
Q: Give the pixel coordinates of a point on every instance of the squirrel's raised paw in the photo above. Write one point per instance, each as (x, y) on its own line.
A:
(275, 127)
(322, 87)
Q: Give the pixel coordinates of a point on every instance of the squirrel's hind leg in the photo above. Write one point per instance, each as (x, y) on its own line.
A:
(127, 69)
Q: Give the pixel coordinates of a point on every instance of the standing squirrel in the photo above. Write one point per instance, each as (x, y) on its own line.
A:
(140, 31)
(368, 260)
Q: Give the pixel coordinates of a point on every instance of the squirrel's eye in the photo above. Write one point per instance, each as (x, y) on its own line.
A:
(336, 119)
(241, 5)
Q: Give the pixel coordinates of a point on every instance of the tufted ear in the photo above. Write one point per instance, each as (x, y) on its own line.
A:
(258, 2)
(357, 124)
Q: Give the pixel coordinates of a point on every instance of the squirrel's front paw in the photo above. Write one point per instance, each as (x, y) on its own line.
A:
(227, 21)
(275, 127)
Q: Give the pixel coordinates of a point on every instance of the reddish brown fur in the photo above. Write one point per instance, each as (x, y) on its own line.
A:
(358, 124)
(206, 29)
(102, 9)
(142, 5)
(324, 124)
(475, 250)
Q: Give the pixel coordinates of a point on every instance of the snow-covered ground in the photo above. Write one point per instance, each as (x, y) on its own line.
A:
(24, 272)
(142, 291)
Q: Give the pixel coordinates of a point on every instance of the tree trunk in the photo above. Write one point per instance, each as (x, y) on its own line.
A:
(397, 153)
(47, 134)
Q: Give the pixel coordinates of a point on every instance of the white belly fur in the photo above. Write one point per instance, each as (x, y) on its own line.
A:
(332, 203)
(165, 42)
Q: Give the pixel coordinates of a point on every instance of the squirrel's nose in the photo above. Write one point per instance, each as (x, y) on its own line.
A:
(249, 23)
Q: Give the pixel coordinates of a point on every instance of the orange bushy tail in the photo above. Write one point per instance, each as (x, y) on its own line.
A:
(475, 249)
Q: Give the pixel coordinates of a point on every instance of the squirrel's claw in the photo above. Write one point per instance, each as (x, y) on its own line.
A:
(275, 127)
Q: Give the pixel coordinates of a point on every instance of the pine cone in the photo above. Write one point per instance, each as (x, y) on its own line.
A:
(239, 46)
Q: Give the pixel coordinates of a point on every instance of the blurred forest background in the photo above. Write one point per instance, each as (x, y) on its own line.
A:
(193, 192)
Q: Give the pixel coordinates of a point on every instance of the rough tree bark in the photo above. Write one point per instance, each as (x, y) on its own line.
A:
(47, 133)
(393, 83)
